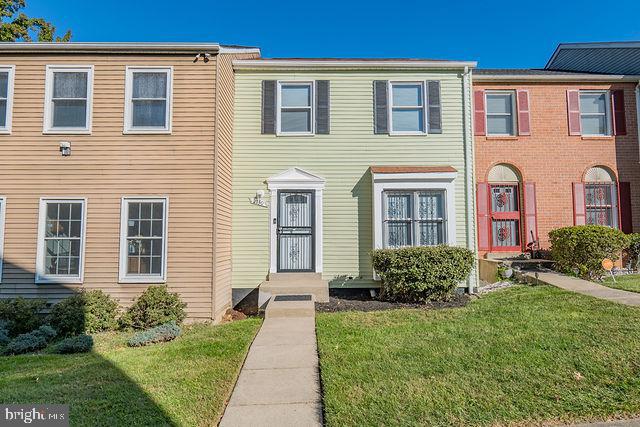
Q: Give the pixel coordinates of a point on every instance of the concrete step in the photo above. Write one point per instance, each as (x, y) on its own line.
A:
(295, 277)
(290, 306)
(320, 290)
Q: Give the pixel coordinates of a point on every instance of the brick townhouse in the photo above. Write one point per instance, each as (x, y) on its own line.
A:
(553, 148)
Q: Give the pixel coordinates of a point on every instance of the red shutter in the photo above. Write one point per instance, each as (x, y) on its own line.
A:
(524, 126)
(619, 119)
(573, 111)
(484, 220)
(626, 224)
(579, 208)
(530, 215)
(479, 118)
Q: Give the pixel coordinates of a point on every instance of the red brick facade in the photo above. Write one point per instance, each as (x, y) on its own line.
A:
(553, 160)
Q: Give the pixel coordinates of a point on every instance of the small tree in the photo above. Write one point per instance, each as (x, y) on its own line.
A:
(17, 26)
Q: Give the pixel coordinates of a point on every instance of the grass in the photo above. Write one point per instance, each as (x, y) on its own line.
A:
(518, 356)
(184, 382)
(629, 282)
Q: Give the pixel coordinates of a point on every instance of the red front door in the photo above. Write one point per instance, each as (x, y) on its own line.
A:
(505, 217)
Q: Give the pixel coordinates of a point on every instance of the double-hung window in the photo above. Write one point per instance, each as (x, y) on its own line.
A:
(414, 218)
(148, 95)
(61, 231)
(6, 97)
(501, 116)
(601, 203)
(595, 108)
(143, 240)
(295, 108)
(68, 94)
(407, 108)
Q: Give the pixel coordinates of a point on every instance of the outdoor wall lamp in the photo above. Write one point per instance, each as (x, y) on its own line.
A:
(65, 148)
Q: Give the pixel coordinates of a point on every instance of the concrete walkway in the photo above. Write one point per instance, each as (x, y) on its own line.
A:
(279, 384)
(587, 288)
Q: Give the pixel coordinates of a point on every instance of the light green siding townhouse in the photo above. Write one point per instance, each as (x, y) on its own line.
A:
(333, 158)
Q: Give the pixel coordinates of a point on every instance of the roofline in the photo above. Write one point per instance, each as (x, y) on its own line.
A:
(589, 45)
(351, 64)
(99, 47)
(560, 78)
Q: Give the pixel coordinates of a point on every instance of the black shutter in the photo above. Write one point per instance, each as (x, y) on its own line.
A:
(435, 109)
(269, 88)
(380, 109)
(322, 107)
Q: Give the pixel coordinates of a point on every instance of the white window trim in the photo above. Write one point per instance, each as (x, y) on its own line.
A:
(123, 277)
(514, 112)
(390, 107)
(3, 210)
(312, 86)
(415, 220)
(41, 277)
(608, 113)
(11, 70)
(128, 91)
(442, 181)
(295, 179)
(48, 94)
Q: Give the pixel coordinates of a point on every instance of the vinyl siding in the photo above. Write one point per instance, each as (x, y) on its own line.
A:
(104, 167)
(342, 158)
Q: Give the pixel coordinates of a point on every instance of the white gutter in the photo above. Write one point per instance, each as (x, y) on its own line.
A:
(347, 64)
(125, 47)
(469, 168)
(559, 78)
(638, 111)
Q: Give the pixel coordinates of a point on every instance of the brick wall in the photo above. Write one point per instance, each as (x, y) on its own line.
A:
(553, 160)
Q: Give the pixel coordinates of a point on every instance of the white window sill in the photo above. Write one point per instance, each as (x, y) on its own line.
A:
(53, 280)
(408, 134)
(66, 132)
(5, 131)
(146, 132)
(143, 280)
(294, 134)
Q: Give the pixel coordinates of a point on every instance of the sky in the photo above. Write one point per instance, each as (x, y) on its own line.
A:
(497, 34)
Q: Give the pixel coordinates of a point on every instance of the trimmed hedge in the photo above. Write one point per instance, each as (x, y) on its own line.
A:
(86, 311)
(634, 250)
(21, 315)
(33, 341)
(579, 250)
(167, 332)
(421, 274)
(78, 344)
(156, 306)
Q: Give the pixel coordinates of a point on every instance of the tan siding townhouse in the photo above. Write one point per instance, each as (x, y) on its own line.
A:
(115, 170)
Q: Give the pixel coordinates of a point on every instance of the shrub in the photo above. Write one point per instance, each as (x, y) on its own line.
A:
(33, 341)
(4, 333)
(78, 344)
(634, 250)
(21, 315)
(154, 307)
(580, 249)
(421, 274)
(166, 332)
(86, 311)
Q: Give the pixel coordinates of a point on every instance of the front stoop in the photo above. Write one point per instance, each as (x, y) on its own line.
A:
(296, 306)
(294, 284)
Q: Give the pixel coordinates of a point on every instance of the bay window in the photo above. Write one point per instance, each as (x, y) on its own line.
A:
(414, 218)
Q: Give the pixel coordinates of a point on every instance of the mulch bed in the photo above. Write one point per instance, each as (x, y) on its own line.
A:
(362, 301)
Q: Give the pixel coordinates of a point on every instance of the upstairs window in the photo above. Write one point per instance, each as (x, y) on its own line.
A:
(6, 98)
(595, 113)
(148, 100)
(407, 108)
(295, 108)
(68, 99)
(501, 117)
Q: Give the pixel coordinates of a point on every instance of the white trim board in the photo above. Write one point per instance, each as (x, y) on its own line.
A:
(11, 70)
(294, 179)
(3, 210)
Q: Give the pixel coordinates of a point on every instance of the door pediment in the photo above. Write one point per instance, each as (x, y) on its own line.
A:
(295, 178)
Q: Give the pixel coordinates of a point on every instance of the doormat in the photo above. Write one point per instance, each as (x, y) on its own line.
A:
(293, 298)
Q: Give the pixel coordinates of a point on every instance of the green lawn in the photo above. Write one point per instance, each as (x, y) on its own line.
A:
(521, 355)
(184, 382)
(629, 282)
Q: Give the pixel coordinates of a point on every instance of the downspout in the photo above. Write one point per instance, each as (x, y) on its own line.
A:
(472, 282)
